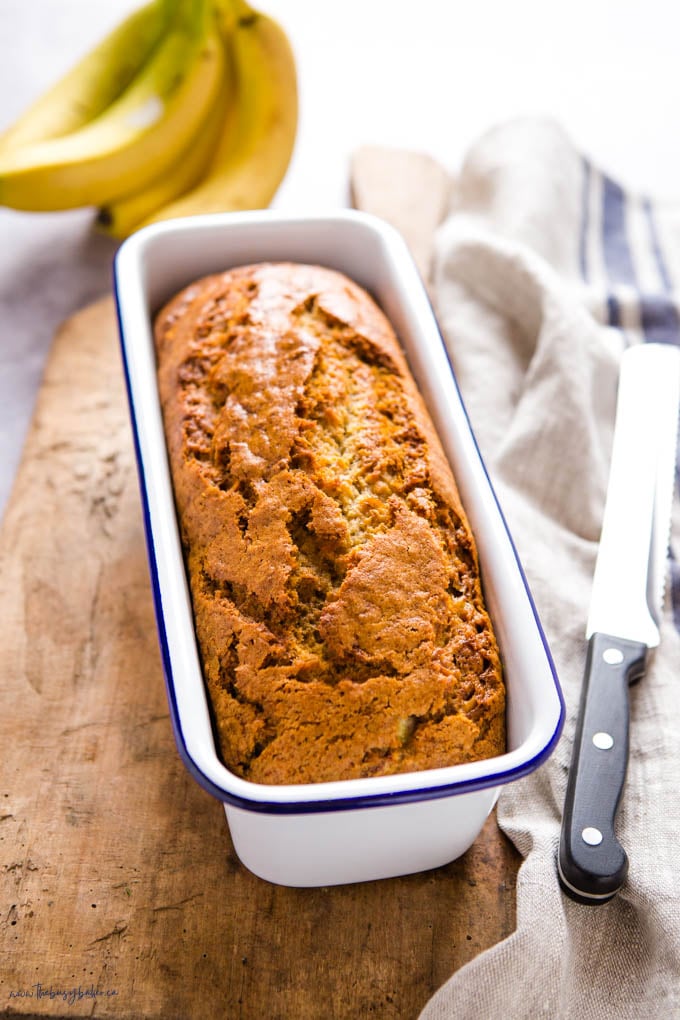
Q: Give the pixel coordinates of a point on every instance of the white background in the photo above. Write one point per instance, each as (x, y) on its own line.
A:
(421, 74)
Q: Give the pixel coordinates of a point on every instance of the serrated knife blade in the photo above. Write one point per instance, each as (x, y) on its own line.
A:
(623, 619)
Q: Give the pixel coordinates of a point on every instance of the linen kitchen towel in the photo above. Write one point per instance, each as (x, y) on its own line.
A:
(545, 270)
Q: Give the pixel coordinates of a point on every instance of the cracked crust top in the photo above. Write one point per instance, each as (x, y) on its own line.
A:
(334, 577)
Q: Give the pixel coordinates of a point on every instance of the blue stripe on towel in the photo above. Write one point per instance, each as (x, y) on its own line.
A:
(613, 311)
(617, 257)
(659, 318)
(675, 589)
(659, 313)
(585, 220)
(666, 281)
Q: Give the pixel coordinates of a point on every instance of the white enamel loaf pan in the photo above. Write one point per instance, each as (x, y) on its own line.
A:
(357, 830)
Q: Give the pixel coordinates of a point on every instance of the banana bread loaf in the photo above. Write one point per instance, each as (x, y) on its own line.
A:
(333, 573)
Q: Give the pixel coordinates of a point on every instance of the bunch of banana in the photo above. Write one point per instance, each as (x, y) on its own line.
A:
(189, 106)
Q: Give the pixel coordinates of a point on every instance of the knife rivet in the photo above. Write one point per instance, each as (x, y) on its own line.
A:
(591, 836)
(603, 741)
(612, 656)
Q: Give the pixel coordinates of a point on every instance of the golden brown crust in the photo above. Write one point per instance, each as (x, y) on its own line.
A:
(333, 573)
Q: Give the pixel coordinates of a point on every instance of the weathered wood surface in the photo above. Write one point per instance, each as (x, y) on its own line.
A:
(121, 892)
(410, 190)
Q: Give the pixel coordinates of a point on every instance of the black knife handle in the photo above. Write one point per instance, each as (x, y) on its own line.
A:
(592, 864)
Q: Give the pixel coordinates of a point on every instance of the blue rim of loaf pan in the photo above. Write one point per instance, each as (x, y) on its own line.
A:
(349, 803)
(435, 791)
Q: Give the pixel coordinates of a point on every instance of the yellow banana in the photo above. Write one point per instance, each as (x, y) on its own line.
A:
(139, 136)
(258, 139)
(121, 216)
(95, 81)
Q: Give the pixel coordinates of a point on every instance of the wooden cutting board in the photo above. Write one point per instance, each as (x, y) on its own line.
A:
(121, 892)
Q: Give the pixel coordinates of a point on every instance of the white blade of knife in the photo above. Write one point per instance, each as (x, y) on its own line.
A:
(665, 486)
(625, 607)
(640, 492)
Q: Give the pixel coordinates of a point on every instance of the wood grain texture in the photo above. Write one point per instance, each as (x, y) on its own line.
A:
(121, 892)
(410, 190)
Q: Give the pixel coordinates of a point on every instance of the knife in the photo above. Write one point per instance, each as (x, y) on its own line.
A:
(622, 627)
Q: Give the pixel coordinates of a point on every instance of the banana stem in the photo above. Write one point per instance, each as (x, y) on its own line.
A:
(169, 9)
(188, 14)
(232, 12)
(242, 9)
